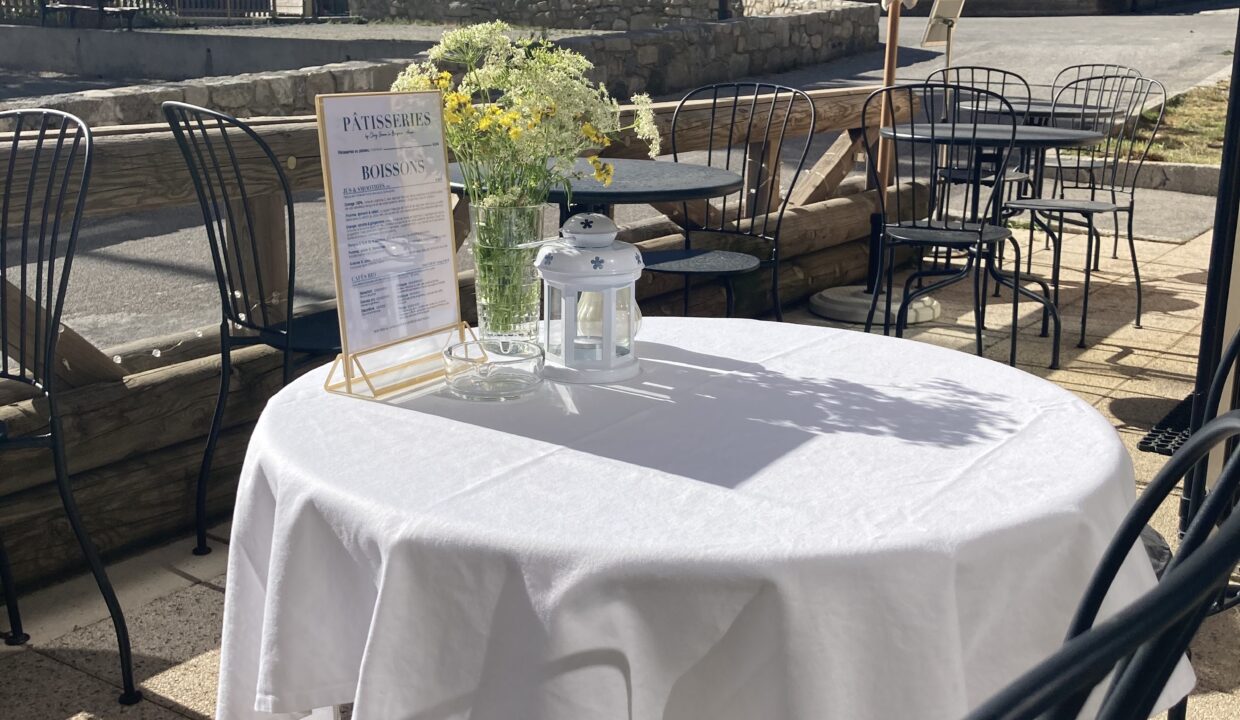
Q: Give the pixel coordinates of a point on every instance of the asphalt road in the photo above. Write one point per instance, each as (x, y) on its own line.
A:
(138, 277)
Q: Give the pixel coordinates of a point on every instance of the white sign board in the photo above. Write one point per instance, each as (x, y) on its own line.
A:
(385, 173)
(943, 18)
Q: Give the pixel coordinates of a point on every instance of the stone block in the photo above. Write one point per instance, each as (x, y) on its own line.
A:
(319, 81)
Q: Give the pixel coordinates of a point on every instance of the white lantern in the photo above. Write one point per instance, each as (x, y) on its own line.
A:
(591, 316)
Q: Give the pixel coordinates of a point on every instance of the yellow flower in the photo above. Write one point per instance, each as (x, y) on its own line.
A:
(592, 134)
(603, 172)
(514, 133)
(443, 81)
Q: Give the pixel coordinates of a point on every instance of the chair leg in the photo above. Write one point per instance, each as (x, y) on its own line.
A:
(729, 293)
(1136, 270)
(891, 272)
(217, 420)
(1115, 243)
(882, 269)
(779, 305)
(1089, 255)
(130, 695)
(978, 300)
(1015, 296)
(15, 635)
(1179, 711)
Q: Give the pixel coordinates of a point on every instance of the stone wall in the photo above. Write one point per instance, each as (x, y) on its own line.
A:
(685, 56)
(783, 7)
(287, 92)
(659, 62)
(586, 14)
(995, 8)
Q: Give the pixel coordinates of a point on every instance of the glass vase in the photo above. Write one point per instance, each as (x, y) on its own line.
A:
(504, 242)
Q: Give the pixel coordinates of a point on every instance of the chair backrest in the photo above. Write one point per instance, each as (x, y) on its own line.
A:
(1072, 73)
(1009, 85)
(46, 176)
(235, 175)
(1142, 644)
(945, 134)
(1127, 110)
(747, 133)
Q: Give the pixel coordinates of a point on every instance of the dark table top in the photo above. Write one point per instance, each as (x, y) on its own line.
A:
(1027, 136)
(637, 182)
(1034, 108)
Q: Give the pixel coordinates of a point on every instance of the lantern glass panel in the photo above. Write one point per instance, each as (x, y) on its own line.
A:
(624, 321)
(588, 344)
(555, 321)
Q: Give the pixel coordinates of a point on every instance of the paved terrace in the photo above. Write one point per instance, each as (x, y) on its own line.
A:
(174, 600)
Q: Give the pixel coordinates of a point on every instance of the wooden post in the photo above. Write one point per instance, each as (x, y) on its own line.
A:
(890, 62)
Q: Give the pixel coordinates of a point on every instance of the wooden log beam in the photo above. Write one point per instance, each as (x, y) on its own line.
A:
(109, 422)
(821, 180)
(835, 110)
(78, 362)
(139, 167)
(126, 505)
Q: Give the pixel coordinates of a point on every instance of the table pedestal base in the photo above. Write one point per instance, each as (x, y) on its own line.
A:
(851, 304)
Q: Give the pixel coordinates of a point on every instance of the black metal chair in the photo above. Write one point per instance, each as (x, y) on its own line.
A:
(1008, 85)
(954, 217)
(1144, 642)
(1072, 74)
(46, 178)
(1114, 105)
(750, 221)
(256, 290)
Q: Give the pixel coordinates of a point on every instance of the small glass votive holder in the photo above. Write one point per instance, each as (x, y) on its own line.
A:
(493, 370)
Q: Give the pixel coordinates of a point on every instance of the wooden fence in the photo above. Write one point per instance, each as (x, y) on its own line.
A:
(134, 432)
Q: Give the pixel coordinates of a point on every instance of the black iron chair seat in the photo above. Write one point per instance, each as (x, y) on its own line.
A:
(948, 237)
(1081, 206)
(703, 262)
(317, 333)
(965, 175)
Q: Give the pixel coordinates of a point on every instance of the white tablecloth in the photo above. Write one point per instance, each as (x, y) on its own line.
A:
(772, 521)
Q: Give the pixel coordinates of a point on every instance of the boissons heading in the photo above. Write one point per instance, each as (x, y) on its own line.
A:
(385, 121)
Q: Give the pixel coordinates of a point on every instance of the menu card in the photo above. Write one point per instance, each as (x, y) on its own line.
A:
(385, 173)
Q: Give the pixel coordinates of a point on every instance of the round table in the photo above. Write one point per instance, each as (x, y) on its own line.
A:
(1028, 137)
(636, 182)
(1037, 111)
(771, 521)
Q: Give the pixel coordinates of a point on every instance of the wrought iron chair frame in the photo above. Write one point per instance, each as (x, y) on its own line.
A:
(193, 127)
(1111, 165)
(968, 235)
(749, 203)
(35, 365)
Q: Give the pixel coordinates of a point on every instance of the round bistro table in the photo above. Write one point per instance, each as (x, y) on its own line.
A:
(771, 521)
(636, 182)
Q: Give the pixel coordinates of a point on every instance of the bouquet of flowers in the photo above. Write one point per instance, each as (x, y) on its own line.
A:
(517, 115)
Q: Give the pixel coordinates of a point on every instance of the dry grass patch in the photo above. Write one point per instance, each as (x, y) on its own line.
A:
(1192, 131)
